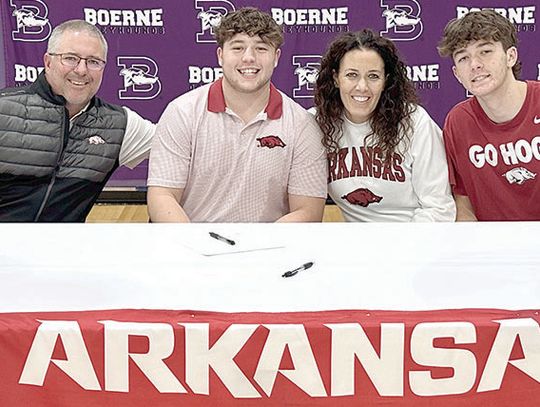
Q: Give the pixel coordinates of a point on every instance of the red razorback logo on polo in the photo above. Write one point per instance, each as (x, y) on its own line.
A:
(270, 142)
(362, 197)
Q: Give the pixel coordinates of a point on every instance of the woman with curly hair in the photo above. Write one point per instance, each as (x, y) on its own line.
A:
(385, 154)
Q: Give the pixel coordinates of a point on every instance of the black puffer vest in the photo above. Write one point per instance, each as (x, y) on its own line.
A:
(49, 173)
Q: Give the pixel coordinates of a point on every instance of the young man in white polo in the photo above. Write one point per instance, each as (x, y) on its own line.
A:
(492, 140)
(238, 150)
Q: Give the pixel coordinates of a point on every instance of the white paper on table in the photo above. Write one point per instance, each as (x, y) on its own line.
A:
(201, 242)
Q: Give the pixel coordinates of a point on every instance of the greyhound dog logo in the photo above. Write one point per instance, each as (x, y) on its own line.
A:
(306, 75)
(140, 74)
(136, 76)
(31, 23)
(399, 18)
(209, 19)
(518, 175)
(362, 197)
(27, 18)
(306, 70)
(403, 21)
(270, 142)
(210, 14)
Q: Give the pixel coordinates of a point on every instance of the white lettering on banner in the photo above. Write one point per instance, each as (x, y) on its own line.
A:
(386, 369)
(512, 153)
(423, 73)
(462, 361)
(305, 373)
(313, 29)
(129, 18)
(311, 16)
(25, 73)
(516, 15)
(350, 342)
(161, 346)
(77, 364)
(528, 331)
(538, 78)
(205, 74)
(200, 357)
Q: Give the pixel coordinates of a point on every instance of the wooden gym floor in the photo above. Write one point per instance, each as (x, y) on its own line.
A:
(115, 213)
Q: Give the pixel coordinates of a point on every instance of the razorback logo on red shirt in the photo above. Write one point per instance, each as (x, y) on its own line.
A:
(362, 197)
(519, 175)
(270, 142)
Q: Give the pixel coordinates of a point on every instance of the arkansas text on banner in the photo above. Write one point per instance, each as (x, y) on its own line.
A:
(334, 358)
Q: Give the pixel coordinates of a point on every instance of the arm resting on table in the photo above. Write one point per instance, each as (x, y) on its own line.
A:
(465, 211)
(304, 209)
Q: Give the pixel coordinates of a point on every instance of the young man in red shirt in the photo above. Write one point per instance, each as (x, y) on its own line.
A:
(492, 140)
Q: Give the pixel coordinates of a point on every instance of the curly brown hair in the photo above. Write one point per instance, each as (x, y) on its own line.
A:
(250, 21)
(391, 122)
(485, 25)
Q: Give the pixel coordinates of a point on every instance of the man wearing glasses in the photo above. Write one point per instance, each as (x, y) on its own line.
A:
(59, 143)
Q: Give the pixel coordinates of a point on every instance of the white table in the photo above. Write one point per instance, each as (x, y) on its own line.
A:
(458, 304)
(59, 267)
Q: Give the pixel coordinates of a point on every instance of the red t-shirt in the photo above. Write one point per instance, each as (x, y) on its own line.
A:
(497, 165)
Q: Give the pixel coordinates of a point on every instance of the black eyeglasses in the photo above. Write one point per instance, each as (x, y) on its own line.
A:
(73, 60)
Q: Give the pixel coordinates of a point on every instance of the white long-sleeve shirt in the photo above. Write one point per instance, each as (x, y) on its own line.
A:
(413, 187)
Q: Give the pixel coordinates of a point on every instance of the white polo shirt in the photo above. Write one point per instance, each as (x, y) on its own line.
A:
(236, 172)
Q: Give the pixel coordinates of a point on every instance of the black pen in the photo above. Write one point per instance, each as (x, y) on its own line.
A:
(296, 270)
(222, 238)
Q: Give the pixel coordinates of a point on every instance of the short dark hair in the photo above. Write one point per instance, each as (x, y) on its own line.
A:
(250, 21)
(475, 26)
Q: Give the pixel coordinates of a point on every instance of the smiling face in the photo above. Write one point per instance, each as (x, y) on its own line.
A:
(76, 84)
(361, 80)
(483, 67)
(248, 63)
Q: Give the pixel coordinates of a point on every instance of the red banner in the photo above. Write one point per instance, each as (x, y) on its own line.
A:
(335, 358)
